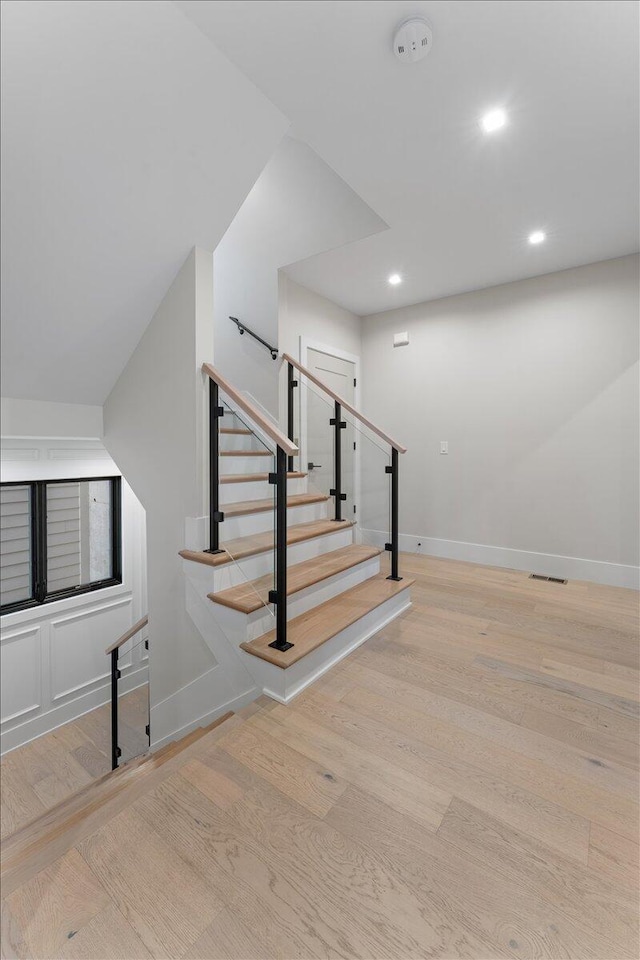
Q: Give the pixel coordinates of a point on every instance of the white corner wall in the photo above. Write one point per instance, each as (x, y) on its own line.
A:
(534, 385)
(53, 666)
(155, 425)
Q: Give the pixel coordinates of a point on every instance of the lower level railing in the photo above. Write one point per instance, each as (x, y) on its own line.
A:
(113, 652)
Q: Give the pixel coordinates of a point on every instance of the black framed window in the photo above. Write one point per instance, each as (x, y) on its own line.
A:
(58, 538)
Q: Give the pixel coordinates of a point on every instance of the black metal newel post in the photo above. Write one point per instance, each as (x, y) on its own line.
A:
(393, 546)
(279, 596)
(291, 385)
(115, 676)
(338, 425)
(215, 516)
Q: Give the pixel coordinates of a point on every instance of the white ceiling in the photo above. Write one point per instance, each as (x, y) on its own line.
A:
(406, 137)
(127, 138)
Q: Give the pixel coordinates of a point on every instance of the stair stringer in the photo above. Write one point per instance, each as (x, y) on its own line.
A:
(228, 685)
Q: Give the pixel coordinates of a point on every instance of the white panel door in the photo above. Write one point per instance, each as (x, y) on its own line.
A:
(339, 375)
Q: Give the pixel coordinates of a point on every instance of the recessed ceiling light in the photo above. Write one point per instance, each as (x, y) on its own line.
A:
(493, 120)
(538, 236)
(394, 279)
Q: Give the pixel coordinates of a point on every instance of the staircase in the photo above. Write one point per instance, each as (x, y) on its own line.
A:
(272, 547)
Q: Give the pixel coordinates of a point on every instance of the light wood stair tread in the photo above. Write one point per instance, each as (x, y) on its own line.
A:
(245, 507)
(262, 542)
(43, 840)
(258, 477)
(310, 630)
(248, 597)
(237, 431)
(246, 453)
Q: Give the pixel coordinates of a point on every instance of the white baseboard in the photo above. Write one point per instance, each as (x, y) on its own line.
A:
(49, 721)
(549, 564)
(347, 641)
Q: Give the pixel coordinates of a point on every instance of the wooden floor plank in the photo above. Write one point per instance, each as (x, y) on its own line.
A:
(576, 890)
(413, 802)
(158, 893)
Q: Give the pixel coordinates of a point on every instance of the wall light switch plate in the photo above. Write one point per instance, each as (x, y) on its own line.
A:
(400, 339)
(444, 446)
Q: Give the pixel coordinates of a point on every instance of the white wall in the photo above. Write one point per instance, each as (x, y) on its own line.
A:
(31, 418)
(127, 138)
(534, 385)
(303, 313)
(153, 427)
(53, 666)
(298, 207)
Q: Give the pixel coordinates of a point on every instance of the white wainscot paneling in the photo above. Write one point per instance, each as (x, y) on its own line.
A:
(77, 644)
(20, 666)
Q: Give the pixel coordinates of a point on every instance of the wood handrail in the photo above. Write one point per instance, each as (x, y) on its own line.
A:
(345, 404)
(131, 632)
(251, 410)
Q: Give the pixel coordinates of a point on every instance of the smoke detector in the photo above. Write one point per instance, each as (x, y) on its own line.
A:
(413, 40)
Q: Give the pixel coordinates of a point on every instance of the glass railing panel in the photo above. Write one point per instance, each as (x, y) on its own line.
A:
(248, 501)
(315, 435)
(371, 487)
(133, 704)
(365, 461)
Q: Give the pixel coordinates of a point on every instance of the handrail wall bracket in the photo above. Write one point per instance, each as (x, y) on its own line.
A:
(243, 328)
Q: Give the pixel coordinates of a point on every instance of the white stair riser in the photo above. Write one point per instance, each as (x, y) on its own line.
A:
(227, 575)
(260, 490)
(242, 464)
(249, 626)
(239, 441)
(284, 685)
(251, 523)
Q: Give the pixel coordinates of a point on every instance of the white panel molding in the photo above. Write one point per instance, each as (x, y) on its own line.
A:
(86, 614)
(18, 678)
(549, 564)
(74, 454)
(15, 454)
(20, 734)
(46, 636)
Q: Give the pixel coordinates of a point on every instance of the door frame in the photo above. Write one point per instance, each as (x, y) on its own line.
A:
(306, 344)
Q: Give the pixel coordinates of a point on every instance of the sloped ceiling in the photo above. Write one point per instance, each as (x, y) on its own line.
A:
(407, 139)
(127, 138)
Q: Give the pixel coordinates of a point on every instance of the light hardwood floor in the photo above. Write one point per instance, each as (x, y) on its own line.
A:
(39, 775)
(463, 785)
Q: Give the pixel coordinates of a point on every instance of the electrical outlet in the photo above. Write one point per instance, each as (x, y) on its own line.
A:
(444, 447)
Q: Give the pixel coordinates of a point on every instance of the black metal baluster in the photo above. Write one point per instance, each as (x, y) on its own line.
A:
(291, 385)
(393, 546)
(115, 676)
(215, 515)
(338, 425)
(279, 595)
